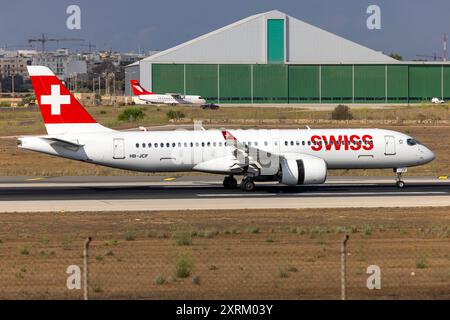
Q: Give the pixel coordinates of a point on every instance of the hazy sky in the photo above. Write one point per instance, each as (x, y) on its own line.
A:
(409, 27)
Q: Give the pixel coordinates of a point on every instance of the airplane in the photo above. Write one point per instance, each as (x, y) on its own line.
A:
(143, 96)
(290, 156)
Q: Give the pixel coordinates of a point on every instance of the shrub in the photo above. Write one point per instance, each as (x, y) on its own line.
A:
(130, 235)
(24, 251)
(174, 115)
(160, 280)
(196, 280)
(421, 263)
(28, 100)
(182, 237)
(341, 112)
(131, 114)
(183, 267)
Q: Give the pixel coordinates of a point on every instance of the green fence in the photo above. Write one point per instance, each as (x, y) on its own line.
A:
(280, 83)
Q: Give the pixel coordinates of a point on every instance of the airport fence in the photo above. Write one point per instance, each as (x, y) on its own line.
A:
(250, 264)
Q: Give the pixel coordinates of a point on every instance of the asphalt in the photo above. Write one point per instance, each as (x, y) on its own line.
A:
(130, 193)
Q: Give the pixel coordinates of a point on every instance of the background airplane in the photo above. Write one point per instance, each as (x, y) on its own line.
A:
(146, 97)
(290, 156)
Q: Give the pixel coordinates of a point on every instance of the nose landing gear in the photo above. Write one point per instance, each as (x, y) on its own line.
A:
(398, 177)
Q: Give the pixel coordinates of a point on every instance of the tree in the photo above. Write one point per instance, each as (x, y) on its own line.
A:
(131, 114)
(396, 56)
(341, 112)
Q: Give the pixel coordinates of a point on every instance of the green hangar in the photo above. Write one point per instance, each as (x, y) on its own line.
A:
(274, 58)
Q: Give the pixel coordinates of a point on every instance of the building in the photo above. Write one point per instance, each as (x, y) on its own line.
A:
(13, 66)
(274, 58)
(63, 63)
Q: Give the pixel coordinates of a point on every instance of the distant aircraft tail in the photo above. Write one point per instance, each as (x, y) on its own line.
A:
(61, 112)
(137, 88)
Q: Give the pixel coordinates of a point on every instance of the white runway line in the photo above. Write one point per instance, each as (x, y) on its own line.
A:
(328, 194)
(222, 203)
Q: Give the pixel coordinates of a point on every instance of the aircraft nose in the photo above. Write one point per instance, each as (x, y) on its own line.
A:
(428, 155)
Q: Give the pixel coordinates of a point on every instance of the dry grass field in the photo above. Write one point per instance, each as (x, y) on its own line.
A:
(256, 254)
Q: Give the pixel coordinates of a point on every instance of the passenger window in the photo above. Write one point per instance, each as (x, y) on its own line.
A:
(256, 143)
(173, 145)
(179, 144)
(309, 143)
(297, 143)
(156, 145)
(203, 144)
(285, 143)
(220, 144)
(214, 144)
(292, 143)
(167, 144)
(137, 145)
(303, 143)
(161, 145)
(196, 144)
(208, 144)
(143, 145)
(265, 143)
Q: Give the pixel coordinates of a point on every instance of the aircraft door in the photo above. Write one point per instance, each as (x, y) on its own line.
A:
(389, 145)
(118, 149)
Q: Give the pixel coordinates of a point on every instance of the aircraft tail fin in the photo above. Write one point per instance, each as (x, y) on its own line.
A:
(61, 111)
(138, 89)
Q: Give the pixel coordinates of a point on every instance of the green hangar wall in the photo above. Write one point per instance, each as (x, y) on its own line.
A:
(281, 83)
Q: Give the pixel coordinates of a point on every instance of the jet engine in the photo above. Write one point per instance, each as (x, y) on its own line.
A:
(307, 170)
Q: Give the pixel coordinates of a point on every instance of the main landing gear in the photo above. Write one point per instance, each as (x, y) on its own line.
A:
(247, 184)
(230, 182)
(398, 177)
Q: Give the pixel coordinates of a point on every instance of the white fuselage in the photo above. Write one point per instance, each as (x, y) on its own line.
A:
(182, 150)
(168, 99)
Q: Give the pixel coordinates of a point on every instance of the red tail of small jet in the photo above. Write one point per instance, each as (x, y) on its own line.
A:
(137, 88)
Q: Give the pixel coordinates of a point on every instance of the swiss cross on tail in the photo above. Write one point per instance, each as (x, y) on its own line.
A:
(57, 104)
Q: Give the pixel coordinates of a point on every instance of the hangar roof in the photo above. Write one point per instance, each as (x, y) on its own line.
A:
(245, 41)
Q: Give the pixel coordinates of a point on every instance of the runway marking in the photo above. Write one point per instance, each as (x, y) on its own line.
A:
(34, 179)
(169, 179)
(223, 195)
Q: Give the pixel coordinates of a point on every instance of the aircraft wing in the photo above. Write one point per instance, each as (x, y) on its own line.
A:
(245, 156)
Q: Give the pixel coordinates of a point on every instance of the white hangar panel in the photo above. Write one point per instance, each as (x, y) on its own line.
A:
(240, 42)
(309, 44)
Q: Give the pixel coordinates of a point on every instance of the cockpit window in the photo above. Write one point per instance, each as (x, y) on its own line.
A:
(412, 142)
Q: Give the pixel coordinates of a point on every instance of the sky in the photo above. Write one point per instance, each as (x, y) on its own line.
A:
(408, 27)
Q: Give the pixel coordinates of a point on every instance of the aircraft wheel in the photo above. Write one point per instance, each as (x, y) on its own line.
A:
(229, 183)
(247, 185)
(400, 184)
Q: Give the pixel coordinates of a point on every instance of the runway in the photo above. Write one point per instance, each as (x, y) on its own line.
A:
(156, 193)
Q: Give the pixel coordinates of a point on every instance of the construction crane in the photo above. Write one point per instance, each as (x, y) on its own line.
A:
(43, 39)
(6, 47)
(90, 46)
(435, 57)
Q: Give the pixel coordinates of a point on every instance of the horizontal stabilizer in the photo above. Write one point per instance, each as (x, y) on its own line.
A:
(62, 142)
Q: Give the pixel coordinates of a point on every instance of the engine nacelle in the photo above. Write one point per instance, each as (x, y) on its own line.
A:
(308, 170)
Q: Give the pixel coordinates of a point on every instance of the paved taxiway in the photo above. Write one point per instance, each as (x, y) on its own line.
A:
(131, 193)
